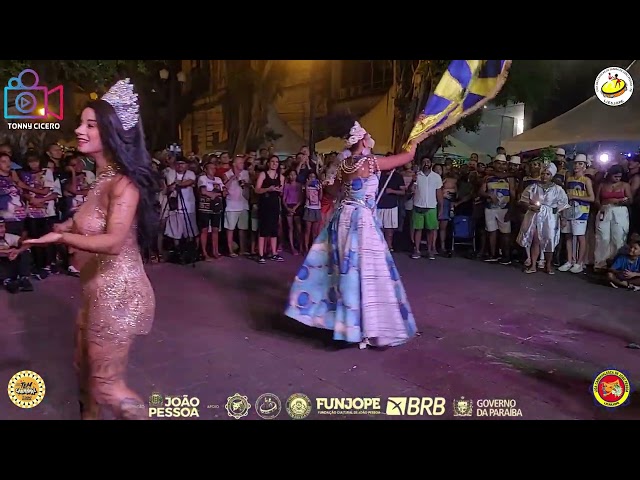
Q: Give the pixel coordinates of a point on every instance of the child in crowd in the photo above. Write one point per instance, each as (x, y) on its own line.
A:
(625, 271)
(312, 210)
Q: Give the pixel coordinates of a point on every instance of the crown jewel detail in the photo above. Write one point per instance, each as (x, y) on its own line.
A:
(125, 102)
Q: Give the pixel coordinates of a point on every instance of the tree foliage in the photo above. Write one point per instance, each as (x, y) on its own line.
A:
(78, 77)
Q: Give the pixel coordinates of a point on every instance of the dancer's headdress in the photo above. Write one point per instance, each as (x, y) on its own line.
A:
(357, 133)
(125, 102)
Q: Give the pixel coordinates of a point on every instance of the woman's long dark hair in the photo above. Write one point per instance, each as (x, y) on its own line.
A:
(127, 149)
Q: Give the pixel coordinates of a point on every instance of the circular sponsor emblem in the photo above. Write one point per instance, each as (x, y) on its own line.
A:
(268, 406)
(611, 388)
(614, 86)
(237, 406)
(156, 400)
(298, 406)
(26, 389)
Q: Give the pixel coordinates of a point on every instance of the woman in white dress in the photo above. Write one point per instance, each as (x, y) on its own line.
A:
(349, 282)
(540, 230)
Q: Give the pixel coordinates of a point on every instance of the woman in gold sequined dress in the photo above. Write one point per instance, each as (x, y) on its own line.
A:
(109, 231)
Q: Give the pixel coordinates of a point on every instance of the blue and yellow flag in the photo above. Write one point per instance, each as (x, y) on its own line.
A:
(466, 86)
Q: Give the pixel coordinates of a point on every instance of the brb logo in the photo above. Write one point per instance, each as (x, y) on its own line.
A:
(31, 100)
(414, 406)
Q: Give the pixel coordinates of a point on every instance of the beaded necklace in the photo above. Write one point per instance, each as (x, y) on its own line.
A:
(351, 165)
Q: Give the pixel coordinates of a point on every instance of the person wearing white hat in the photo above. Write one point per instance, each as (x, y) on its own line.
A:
(539, 231)
(499, 191)
(574, 222)
(561, 164)
(514, 165)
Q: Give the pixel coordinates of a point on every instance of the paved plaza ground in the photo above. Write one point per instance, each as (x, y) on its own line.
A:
(488, 332)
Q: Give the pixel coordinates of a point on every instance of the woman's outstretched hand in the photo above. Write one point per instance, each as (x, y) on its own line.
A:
(49, 238)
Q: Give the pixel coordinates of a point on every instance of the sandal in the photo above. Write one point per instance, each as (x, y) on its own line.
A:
(531, 269)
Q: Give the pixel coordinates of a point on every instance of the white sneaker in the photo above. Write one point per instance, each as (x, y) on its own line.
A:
(566, 267)
(577, 268)
(541, 264)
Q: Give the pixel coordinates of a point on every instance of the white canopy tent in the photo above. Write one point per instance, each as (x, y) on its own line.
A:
(457, 148)
(591, 121)
(290, 142)
(330, 144)
(378, 122)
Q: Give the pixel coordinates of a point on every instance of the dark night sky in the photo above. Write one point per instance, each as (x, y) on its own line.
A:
(575, 85)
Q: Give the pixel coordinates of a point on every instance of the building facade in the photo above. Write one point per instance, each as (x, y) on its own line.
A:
(310, 90)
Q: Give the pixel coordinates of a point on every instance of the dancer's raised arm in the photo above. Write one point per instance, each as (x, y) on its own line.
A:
(395, 161)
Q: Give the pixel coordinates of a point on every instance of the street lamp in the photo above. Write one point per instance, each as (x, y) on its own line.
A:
(165, 75)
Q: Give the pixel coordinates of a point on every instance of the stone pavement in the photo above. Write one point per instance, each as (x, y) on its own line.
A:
(488, 331)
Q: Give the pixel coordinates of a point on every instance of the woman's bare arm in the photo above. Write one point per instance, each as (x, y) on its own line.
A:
(395, 161)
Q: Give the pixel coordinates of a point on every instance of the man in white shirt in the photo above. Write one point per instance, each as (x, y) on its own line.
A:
(236, 214)
(210, 207)
(182, 202)
(427, 195)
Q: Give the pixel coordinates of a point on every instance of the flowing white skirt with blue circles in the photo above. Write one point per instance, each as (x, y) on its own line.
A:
(349, 283)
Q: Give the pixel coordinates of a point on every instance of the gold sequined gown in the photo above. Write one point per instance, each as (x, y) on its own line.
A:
(118, 300)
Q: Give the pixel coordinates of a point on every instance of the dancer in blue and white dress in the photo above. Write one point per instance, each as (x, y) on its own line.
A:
(349, 282)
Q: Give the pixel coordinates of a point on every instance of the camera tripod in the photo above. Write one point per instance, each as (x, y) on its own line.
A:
(190, 252)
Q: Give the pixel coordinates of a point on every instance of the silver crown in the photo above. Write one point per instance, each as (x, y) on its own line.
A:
(125, 102)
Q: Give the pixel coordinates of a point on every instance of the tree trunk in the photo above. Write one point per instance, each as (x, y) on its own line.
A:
(416, 83)
(246, 105)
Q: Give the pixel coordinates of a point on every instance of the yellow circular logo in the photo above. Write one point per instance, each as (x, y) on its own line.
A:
(26, 389)
(298, 406)
(611, 388)
(614, 86)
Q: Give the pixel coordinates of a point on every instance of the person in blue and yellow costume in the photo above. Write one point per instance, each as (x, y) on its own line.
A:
(579, 189)
(349, 282)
